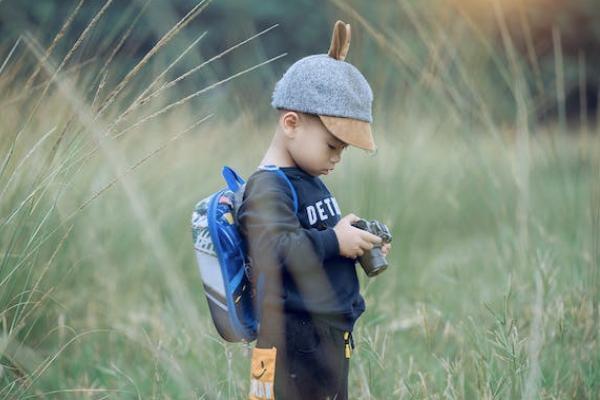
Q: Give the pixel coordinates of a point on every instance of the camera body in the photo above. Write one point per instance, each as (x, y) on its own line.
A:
(373, 261)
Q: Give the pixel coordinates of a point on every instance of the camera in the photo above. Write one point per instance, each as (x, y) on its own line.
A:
(373, 261)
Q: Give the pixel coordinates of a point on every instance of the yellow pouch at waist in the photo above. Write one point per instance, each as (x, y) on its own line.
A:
(262, 374)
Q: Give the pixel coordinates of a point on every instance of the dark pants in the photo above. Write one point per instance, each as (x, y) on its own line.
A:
(312, 359)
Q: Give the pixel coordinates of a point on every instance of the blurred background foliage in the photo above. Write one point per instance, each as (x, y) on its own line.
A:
(540, 31)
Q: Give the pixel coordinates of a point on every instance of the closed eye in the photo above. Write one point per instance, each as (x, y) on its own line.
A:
(331, 146)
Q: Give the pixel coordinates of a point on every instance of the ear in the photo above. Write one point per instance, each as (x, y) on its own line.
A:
(289, 121)
(340, 41)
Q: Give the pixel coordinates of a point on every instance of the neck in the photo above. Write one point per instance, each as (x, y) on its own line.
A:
(277, 154)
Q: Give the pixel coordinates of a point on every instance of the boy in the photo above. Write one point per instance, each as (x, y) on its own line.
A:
(296, 237)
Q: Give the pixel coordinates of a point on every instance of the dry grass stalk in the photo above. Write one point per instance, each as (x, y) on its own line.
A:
(73, 49)
(78, 43)
(26, 94)
(195, 94)
(55, 41)
(536, 340)
(10, 53)
(191, 71)
(29, 153)
(137, 164)
(104, 70)
(560, 78)
(138, 101)
(198, 8)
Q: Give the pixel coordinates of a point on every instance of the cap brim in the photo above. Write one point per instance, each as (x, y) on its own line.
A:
(352, 131)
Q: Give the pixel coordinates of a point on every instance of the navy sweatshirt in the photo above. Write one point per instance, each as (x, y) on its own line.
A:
(299, 252)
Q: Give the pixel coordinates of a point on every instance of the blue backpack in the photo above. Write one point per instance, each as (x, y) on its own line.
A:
(231, 290)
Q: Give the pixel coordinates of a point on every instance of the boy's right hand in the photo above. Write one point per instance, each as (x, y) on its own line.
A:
(353, 241)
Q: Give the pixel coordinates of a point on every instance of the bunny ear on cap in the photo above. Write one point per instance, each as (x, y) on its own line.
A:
(352, 131)
(340, 41)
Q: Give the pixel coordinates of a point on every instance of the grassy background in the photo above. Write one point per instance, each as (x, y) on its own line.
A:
(493, 287)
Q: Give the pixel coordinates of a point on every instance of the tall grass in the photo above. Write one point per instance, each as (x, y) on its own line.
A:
(493, 287)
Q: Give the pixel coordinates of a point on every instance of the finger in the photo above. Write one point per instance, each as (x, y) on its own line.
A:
(365, 245)
(368, 236)
(352, 217)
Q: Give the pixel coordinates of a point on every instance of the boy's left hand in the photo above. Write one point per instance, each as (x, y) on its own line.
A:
(385, 249)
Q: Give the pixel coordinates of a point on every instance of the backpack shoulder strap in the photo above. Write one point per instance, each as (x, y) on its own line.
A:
(234, 181)
(279, 172)
(236, 184)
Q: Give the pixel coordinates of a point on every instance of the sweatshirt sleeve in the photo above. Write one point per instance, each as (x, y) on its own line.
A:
(273, 232)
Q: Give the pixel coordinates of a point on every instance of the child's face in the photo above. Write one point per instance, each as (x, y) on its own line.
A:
(314, 148)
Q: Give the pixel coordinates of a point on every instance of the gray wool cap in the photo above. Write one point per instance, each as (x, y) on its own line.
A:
(322, 85)
(328, 86)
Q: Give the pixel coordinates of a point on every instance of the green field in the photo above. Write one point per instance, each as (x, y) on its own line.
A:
(493, 287)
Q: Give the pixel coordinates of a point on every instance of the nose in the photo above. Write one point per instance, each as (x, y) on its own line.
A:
(335, 158)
